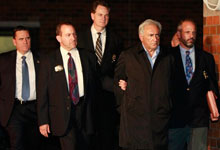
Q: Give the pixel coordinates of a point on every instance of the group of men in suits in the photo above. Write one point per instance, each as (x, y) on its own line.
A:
(163, 97)
(74, 89)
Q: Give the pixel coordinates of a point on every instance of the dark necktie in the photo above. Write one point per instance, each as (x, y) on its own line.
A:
(98, 48)
(25, 80)
(189, 67)
(73, 83)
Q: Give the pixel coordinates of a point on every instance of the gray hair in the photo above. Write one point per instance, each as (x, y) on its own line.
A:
(149, 22)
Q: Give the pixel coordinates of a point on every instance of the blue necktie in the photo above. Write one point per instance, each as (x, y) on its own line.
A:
(189, 67)
(25, 80)
(73, 82)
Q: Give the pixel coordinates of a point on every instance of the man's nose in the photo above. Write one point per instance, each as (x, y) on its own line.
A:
(73, 36)
(25, 40)
(155, 37)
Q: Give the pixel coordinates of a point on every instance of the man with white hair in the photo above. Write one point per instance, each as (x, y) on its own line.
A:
(145, 101)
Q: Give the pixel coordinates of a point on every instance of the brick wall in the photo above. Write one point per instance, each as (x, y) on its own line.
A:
(125, 17)
(211, 43)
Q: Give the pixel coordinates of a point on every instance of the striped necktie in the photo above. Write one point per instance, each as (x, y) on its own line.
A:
(98, 48)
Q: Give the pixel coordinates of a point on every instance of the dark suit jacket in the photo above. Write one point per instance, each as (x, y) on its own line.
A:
(112, 50)
(54, 102)
(189, 101)
(146, 104)
(7, 84)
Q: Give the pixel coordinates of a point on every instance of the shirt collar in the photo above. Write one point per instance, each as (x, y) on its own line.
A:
(27, 55)
(65, 52)
(155, 53)
(94, 31)
(183, 50)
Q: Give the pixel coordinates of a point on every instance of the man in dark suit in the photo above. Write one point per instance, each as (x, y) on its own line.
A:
(145, 103)
(106, 46)
(194, 74)
(18, 92)
(65, 91)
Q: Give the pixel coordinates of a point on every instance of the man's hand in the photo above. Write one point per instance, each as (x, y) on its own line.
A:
(175, 40)
(213, 118)
(44, 129)
(122, 84)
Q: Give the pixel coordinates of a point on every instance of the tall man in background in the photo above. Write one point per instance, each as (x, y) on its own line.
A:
(18, 92)
(106, 46)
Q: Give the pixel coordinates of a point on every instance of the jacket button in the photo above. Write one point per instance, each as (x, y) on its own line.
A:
(188, 89)
(68, 108)
(68, 97)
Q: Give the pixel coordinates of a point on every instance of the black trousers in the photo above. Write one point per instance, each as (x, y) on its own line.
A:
(22, 128)
(75, 137)
(107, 122)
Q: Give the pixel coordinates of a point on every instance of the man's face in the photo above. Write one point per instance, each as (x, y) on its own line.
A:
(100, 17)
(187, 35)
(67, 37)
(151, 37)
(22, 41)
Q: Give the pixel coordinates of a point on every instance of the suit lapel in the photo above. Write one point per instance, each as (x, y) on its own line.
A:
(107, 44)
(12, 68)
(84, 69)
(158, 59)
(36, 64)
(143, 59)
(179, 65)
(197, 64)
(90, 41)
(58, 60)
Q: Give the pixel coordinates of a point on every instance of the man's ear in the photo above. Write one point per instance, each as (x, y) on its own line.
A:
(175, 40)
(58, 38)
(92, 16)
(141, 37)
(14, 42)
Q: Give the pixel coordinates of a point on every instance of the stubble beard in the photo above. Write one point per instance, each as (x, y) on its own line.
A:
(188, 44)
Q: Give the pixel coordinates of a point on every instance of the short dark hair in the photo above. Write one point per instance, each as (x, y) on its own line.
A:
(179, 27)
(58, 27)
(20, 28)
(99, 2)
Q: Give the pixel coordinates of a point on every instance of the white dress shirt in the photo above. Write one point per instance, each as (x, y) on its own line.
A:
(75, 55)
(32, 75)
(95, 36)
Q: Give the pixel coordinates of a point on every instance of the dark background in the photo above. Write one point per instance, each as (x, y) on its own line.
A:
(125, 16)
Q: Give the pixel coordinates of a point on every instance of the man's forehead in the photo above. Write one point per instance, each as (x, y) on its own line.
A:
(151, 28)
(188, 24)
(67, 27)
(100, 8)
(21, 33)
